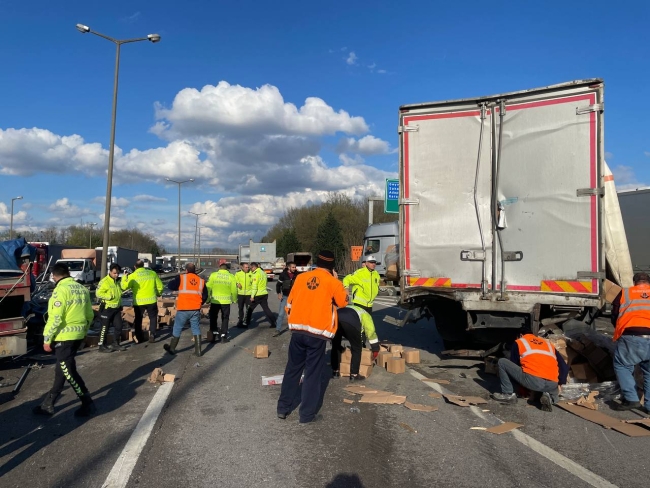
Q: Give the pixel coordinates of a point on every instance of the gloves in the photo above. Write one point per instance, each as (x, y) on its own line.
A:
(375, 354)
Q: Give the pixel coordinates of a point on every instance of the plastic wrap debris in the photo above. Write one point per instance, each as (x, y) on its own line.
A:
(607, 390)
(392, 263)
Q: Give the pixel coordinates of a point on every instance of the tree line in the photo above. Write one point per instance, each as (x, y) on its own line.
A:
(337, 224)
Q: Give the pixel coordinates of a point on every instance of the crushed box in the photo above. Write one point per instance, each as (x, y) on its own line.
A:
(611, 291)
(584, 373)
(261, 351)
(396, 365)
(411, 355)
(491, 365)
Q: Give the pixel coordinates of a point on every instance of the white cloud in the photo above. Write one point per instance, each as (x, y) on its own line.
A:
(647, 153)
(625, 179)
(131, 18)
(367, 145)
(115, 201)
(372, 66)
(148, 198)
(63, 208)
(350, 161)
(351, 59)
(382, 71)
(608, 155)
(5, 215)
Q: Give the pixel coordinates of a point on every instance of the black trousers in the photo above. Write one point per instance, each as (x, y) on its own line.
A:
(353, 335)
(108, 317)
(152, 312)
(306, 353)
(66, 368)
(242, 300)
(263, 301)
(215, 308)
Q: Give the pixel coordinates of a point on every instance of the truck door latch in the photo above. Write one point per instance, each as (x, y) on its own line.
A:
(512, 255)
(596, 107)
(472, 255)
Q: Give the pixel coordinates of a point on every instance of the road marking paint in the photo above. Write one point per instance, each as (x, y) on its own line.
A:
(542, 449)
(123, 467)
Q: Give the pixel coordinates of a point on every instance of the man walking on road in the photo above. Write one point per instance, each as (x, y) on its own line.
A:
(259, 295)
(222, 291)
(110, 310)
(146, 287)
(243, 281)
(631, 317)
(283, 288)
(69, 317)
(534, 364)
(356, 325)
(191, 294)
(312, 318)
(365, 284)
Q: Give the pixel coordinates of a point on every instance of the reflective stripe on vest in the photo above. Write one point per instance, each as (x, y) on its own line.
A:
(538, 360)
(529, 350)
(190, 298)
(634, 309)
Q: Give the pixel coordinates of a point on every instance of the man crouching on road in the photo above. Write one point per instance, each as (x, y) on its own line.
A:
(192, 292)
(312, 319)
(534, 364)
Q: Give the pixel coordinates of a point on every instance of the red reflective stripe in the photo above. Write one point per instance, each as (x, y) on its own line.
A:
(554, 286)
(579, 287)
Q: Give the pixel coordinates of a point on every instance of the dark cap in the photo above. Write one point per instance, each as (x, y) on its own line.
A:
(325, 260)
(641, 277)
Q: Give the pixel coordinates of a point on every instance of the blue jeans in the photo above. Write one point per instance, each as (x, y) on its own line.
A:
(182, 316)
(281, 314)
(630, 351)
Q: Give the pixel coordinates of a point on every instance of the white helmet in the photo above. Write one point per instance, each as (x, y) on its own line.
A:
(371, 259)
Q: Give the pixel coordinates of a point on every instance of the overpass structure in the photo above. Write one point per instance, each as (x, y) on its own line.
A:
(207, 260)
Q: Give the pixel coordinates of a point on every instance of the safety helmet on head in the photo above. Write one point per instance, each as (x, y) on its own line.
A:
(371, 259)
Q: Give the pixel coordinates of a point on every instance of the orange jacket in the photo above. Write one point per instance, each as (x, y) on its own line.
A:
(313, 301)
(537, 357)
(634, 310)
(190, 292)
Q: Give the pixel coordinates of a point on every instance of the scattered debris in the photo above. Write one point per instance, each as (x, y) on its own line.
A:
(408, 427)
(589, 401)
(354, 410)
(420, 408)
(158, 376)
(464, 401)
(347, 400)
(503, 428)
(606, 421)
(272, 380)
(491, 365)
(361, 390)
(439, 382)
(383, 397)
(435, 395)
(261, 351)
(464, 353)
(478, 428)
(197, 365)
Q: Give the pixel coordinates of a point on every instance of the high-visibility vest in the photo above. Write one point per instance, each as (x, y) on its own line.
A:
(367, 325)
(537, 357)
(365, 286)
(222, 288)
(190, 292)
(634, 310)
(244, 279)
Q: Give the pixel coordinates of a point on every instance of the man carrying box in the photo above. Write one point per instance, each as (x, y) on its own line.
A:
(355, 324)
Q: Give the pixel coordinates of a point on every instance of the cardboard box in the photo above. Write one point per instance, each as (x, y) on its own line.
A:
(491, 365)
(346, 356)
(584, 373)
(272, 380)
(611, 291)
(166, 302)
(366, 357)
(396, 365)
(383, 358)
(411, 355)
(396, 348)
(344, 369)
(261, 351)
(384, 346)
(125, 334)
(128, 317)
(365, 370)
(162, 312)
(172, 313)
(92, 341)
(145, 335)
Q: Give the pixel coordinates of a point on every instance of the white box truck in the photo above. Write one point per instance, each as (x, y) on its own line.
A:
(507, 209)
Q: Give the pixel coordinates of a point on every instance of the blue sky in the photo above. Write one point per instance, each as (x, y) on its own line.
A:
(345, 66)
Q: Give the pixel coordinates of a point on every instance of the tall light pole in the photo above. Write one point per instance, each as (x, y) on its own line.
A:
(200, 227)
(196, 230)
(90, 234)
(179, 183)
(11, 225)
(84, 29)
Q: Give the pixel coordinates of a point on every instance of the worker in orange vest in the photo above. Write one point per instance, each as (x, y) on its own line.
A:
(534, 364)
(192, 293)
(311, 307)
(631, 317)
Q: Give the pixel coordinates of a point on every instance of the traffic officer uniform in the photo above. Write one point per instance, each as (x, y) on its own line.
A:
(365, 286)
(259, 296)
(631, 315)
(191, 294)
(313, 321)
(356, 325)
(70, 314)
(222, 291)
(534, 364)
(147, 287)
(244, 285)
(110, 313)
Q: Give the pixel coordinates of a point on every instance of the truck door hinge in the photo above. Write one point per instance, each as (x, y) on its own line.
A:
(472, 255)
(590, 192)
(408, 128)
(410, 272)
(409, 201)
(596, 107)
(590, 275)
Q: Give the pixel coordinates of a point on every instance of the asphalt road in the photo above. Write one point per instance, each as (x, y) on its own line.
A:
(218, 425)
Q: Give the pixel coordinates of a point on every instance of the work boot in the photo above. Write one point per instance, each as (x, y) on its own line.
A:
(224, 339)
(509, 398)
(116, 347)
(197, 346)
(336, 374)
(152, 338)
(171, 347)
(87, 407)
(356, 377)
(103, 348)
(626, 405)
(273, 325)
(547, 402)
(47, 407)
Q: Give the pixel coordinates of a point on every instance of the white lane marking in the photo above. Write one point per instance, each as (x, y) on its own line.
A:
(564, 462)
(123, 467)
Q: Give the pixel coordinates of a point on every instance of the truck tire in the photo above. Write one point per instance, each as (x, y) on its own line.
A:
(451, 322)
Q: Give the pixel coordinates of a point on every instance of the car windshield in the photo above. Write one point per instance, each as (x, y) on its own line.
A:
(75, 265)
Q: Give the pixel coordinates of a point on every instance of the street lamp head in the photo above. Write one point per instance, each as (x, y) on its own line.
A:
(168, 179)
(84, 29)
(154, 37)
(191, 179)
(18, 198)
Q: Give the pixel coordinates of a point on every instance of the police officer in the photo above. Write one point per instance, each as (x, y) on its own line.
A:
(222, 291)
(70, 314)
(191, 294)
(356, 325)
(110, 310)
(259, 295)
(243, 281)
(631, 316)
(283, 288)
(365, 284)
(147, 287)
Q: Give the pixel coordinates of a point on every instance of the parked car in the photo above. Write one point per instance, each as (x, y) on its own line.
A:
(168, 270)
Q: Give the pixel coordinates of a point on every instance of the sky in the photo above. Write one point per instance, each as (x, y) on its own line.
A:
(272, 105)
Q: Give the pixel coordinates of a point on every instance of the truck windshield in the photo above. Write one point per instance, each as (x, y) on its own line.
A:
(75, 265)
(372, 246)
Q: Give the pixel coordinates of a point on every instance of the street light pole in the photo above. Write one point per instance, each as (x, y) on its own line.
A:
(84, 29)
(90, 234)
(200, 244)
(179, 183)
(11, 224)
(196, 230)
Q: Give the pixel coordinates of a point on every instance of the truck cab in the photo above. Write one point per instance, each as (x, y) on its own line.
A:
(82, 270)
(379, 239)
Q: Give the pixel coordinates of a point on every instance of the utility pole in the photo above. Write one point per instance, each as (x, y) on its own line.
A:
(371, 208)
(196, 230)
(90, 234)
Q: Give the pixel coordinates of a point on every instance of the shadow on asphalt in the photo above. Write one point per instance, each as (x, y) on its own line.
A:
(345, 480)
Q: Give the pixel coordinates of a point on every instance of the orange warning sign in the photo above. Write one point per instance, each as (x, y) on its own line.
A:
(355, 252)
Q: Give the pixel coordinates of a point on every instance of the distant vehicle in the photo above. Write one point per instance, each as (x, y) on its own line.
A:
(168, 270)
(268, 269)
(377, 240)
(302, 260)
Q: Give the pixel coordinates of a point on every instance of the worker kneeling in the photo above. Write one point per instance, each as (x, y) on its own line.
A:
(534, 364)
(355, 324)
